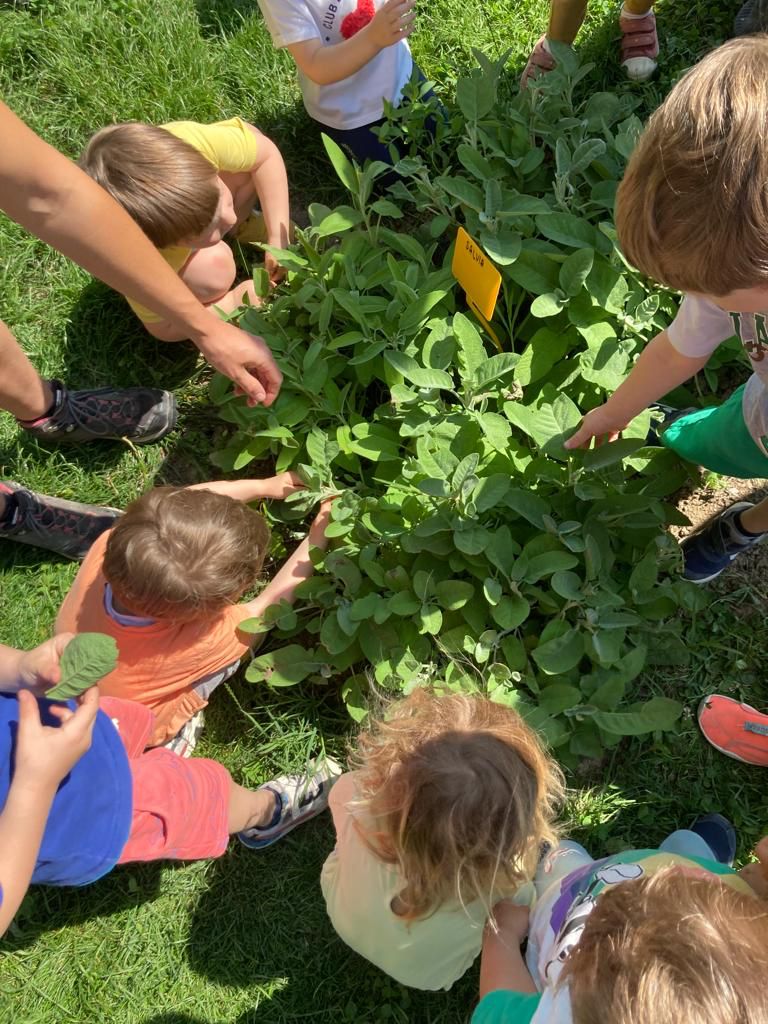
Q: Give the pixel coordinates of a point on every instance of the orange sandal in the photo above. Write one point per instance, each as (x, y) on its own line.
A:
(736, 730)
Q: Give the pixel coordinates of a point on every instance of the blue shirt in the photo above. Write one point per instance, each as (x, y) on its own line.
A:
(90, 818)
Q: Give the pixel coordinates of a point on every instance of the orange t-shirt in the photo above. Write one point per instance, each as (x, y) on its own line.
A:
(157, 664)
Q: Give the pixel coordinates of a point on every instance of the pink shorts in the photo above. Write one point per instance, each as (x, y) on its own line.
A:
(180, 806)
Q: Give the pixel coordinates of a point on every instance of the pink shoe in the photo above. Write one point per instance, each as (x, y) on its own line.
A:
(540, 61)
(639, 46)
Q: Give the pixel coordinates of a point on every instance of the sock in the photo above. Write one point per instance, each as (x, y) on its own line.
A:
(742, 529)
(58, 390)
(628, 14)
(11, 507)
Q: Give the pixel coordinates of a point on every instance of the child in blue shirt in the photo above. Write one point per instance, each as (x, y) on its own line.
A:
(79, 794)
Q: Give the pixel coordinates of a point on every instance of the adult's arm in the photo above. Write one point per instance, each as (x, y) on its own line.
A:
(52, 198)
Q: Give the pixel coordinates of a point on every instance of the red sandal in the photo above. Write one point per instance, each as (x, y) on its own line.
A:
(639, 45)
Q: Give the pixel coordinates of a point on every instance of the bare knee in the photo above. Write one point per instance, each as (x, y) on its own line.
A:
(210, 273)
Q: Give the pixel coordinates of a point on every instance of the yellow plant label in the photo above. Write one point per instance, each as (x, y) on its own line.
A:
(476, 274)
(479, 278)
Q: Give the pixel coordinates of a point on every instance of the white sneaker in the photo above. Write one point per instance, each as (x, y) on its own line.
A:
(301, 797)
(185, 740)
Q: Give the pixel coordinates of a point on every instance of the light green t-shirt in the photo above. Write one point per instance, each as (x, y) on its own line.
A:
(430, 953)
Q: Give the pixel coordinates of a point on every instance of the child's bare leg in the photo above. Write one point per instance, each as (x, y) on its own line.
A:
(565, 19)
(755, 519)
(209, 274)
(250, 808)
(638, 6)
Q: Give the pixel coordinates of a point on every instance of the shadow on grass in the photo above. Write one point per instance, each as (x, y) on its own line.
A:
(262, 921)
(47, 907)
(106, 345)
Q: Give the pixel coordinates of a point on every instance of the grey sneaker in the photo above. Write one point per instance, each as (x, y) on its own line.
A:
(141, 415)
(299, 797)
(66, 527)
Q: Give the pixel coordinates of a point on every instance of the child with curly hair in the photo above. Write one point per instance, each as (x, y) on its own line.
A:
(446, 811)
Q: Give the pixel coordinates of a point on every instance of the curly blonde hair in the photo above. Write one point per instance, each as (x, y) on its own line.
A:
(668, 948)
(461, 796)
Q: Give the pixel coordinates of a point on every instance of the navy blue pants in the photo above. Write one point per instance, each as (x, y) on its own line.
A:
(363, 143)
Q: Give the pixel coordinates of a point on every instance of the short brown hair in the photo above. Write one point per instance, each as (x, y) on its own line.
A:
(671, 948)
(461, 796)
(181, 554)
(692, 209)
(164, 183)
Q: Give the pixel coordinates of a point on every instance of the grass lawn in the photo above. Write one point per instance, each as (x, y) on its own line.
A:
(246, 939)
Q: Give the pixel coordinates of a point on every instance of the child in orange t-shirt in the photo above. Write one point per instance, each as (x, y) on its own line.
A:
(165, 582)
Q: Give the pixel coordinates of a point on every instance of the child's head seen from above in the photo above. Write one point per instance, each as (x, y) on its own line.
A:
(184, 554)
(692, 208)
(460, 794)
(172, 192)
(670, 948)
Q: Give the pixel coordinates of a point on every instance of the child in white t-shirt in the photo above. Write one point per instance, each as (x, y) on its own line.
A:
(447, 812)
(352, 55)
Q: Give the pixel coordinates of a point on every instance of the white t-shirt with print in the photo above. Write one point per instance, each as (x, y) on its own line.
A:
(700, 326)
(359, 99)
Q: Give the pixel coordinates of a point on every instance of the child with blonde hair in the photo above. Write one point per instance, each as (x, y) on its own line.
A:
(189, 187)
(167, 582)
(641, 937)
(446, 811)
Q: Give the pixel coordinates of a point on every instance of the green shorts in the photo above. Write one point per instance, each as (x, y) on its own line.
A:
(718, 439)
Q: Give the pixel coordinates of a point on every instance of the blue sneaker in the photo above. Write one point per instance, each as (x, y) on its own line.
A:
(719, 835)
(299, 798)
(713, 548)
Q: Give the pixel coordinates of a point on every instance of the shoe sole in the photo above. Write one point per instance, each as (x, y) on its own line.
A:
(717, 747)
(262, 844)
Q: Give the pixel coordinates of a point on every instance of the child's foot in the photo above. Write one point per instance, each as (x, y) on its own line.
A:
(639, 44)
(714, 547)
(66, 527)
(539, 62)
(719, 835)
(106, 414)
(298, 798)
(736, 730)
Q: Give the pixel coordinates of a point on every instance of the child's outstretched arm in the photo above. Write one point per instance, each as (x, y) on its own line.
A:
(327, 64)
(275, 487)
(501, 963)
(659, 369)
(44, 755)
(297, 568)
(270, 179)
